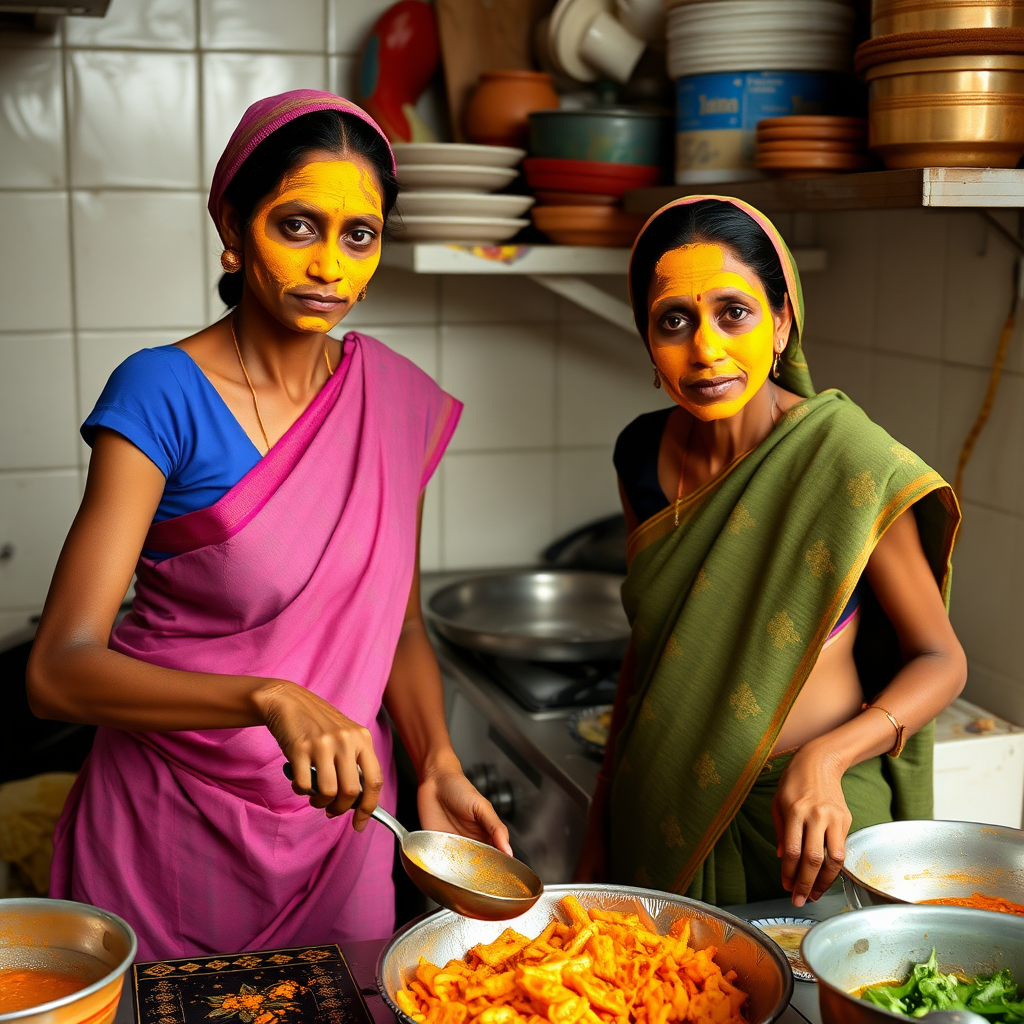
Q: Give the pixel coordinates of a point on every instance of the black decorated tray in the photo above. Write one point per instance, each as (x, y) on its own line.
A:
(306, 985)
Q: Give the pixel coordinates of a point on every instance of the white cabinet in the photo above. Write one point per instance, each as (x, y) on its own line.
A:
(979, 766)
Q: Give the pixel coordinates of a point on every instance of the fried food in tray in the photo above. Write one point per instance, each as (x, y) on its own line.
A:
(603, 967)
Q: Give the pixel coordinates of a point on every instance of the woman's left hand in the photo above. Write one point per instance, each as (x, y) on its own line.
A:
(448, 802)
(811, 822)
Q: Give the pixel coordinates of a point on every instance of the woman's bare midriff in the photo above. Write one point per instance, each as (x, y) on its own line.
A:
(831, 696)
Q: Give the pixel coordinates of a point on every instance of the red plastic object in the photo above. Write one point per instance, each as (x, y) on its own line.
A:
(550, 175)
(396, 64)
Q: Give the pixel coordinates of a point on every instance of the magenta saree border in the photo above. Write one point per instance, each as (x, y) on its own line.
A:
(451, 412)
(243, 502)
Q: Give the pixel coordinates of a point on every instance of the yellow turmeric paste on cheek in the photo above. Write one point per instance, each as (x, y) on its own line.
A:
(698, 273)
(338, 190)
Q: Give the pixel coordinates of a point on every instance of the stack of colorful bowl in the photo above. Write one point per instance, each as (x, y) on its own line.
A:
(805, 147)
(581, 164)
(446, 193)
(945, 82)
(739, 61)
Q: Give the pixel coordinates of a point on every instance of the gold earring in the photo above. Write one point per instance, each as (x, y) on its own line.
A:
(231, 261)
(361, 296)
(657, 378)
(775, 365)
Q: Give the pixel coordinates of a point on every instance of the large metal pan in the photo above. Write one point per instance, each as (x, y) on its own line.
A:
(762, 969)
(535, 615)
(911, 861)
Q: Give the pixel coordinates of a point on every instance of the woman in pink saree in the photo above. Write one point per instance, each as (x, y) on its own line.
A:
(265, 482)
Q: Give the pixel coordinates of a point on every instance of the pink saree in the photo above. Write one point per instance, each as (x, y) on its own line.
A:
(301, 571)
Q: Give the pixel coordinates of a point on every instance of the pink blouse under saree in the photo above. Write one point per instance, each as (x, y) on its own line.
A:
(301, 571)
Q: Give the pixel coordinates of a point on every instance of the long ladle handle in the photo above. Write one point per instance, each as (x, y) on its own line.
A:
(378, 812)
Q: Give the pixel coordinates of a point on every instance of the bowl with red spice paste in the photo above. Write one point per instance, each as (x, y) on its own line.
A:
(61, 962)
(958, 863)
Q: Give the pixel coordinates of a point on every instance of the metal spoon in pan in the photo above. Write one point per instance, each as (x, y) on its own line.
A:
(471, 878)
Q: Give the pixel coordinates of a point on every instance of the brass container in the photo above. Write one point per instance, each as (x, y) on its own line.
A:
(72, 938)
(892, 16)
(947, 112)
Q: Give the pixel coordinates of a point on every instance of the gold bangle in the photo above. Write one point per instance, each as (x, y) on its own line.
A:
(901, 730)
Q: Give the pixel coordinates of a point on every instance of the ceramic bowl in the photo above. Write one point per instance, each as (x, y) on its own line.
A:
(408, 154)
(72, 938)
(948, 111)
(588, 225)
(890, 17)
(455, 177)
(587, 176)
(607, 135)
(460, 230)
(462, 204)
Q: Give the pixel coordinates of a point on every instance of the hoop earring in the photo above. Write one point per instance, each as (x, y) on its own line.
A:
(775, 365)
(657, 378)
(361, 295)
(231, 261)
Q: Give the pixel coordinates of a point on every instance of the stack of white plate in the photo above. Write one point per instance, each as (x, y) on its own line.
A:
(445, 193)
(755, 35)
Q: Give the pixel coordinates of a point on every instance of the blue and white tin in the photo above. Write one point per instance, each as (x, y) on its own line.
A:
(717, 114)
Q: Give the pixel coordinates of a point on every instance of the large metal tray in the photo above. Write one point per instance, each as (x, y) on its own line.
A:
(762, 969)
(535, 615)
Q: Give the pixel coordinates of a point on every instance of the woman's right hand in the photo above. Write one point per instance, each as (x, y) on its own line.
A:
(312, 732)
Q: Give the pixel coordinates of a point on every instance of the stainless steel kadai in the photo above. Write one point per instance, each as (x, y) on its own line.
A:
(760, 965)
(880, 944)
(535, 615)
(911, 861)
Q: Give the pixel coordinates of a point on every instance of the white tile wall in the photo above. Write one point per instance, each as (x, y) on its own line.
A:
(297, 26)
(153, 25)
(139, 259)
(31, 119)
(37, 396)
(35, 268)
(36, 510)
(351, 21)
(133, 119)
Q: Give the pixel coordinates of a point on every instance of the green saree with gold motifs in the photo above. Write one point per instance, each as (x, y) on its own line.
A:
(729, 611)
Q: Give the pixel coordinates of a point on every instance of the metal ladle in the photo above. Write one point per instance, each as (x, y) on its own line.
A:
(471, 878)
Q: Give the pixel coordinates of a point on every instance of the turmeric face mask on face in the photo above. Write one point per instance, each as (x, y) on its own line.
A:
(711, 330)
(316, 233)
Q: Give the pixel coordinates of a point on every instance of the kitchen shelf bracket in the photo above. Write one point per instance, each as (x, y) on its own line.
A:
(558, 268)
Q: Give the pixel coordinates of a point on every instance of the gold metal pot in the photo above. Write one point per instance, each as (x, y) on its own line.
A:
(947, 112)
(73, 938)
(890, 16)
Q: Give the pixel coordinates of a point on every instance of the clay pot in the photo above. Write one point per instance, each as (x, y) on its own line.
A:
(496, 112)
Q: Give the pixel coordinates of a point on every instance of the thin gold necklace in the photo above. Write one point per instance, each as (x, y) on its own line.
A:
(245, 373)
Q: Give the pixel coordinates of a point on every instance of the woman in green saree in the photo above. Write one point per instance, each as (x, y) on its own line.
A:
(788, 586)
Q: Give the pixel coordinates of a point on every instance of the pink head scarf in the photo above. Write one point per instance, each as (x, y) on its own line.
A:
(262, 119)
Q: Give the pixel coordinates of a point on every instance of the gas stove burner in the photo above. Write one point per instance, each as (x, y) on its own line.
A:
(542, 686)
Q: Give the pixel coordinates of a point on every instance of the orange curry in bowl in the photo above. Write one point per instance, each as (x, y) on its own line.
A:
(981, 902)
(23, 988)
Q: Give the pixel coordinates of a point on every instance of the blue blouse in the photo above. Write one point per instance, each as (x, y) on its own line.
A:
(164, 404)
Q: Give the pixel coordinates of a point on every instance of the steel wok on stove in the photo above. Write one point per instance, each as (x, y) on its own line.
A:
(535, 615)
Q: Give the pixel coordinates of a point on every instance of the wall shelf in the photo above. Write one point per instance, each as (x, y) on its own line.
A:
(559, 268)
(946, 187)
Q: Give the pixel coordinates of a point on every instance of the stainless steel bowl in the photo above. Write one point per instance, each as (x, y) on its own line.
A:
(881, 944)
(73, 938)
(911, 861)
(539, 616)
(761, 966)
